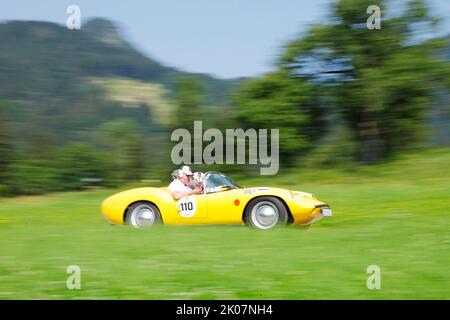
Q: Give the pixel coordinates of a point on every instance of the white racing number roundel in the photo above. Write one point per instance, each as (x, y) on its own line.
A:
(187, 207)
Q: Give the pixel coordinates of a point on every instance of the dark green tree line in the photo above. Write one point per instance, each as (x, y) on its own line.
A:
(378, 83)
(5, 148)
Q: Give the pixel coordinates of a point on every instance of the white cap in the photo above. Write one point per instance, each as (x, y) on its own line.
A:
(185, 170)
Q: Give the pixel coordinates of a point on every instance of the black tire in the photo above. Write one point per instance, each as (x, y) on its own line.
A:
(266, 213)
(143, 215)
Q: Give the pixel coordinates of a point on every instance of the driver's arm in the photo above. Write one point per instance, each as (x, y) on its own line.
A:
(181, 194)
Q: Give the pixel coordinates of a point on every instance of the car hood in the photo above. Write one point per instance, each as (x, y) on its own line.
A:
(276, 191)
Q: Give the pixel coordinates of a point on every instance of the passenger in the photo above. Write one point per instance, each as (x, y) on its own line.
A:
(197, 180)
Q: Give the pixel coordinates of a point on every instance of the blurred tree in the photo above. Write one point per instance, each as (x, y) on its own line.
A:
(126, 148)
(5, 148)
(381, 81)
(188, 95)
(188, 99)
(78, 165)
(33, 176)
(277, 101)
(136, 151)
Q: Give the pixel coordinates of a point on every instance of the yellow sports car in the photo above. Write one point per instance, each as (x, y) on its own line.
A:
(222, 202)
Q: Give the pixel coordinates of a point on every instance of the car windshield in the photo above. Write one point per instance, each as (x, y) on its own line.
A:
(216, 182)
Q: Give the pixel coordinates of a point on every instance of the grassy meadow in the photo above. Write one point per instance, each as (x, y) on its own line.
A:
(395, 216)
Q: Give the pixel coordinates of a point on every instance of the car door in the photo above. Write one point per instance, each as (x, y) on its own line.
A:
(224, 207)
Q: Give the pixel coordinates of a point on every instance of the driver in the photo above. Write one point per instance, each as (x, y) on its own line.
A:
(178, 188)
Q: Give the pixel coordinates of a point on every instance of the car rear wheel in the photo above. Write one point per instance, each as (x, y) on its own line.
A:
(143, 215)
(265, 213)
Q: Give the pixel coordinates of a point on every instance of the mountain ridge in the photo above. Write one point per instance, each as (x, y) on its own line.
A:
(45, 87)
(97, 49)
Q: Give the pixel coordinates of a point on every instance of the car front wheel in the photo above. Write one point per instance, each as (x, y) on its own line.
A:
(265, 213)
(143, 215)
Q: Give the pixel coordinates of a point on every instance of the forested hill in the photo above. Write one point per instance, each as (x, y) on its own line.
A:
(57, 84)
(44, 55)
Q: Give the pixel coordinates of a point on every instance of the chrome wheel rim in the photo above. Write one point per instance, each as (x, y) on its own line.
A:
(142, 216)
(265, 215)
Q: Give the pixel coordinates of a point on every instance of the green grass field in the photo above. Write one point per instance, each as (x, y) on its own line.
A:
(394, 215)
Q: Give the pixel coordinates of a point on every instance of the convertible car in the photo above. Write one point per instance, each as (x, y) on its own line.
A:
(222, 202)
